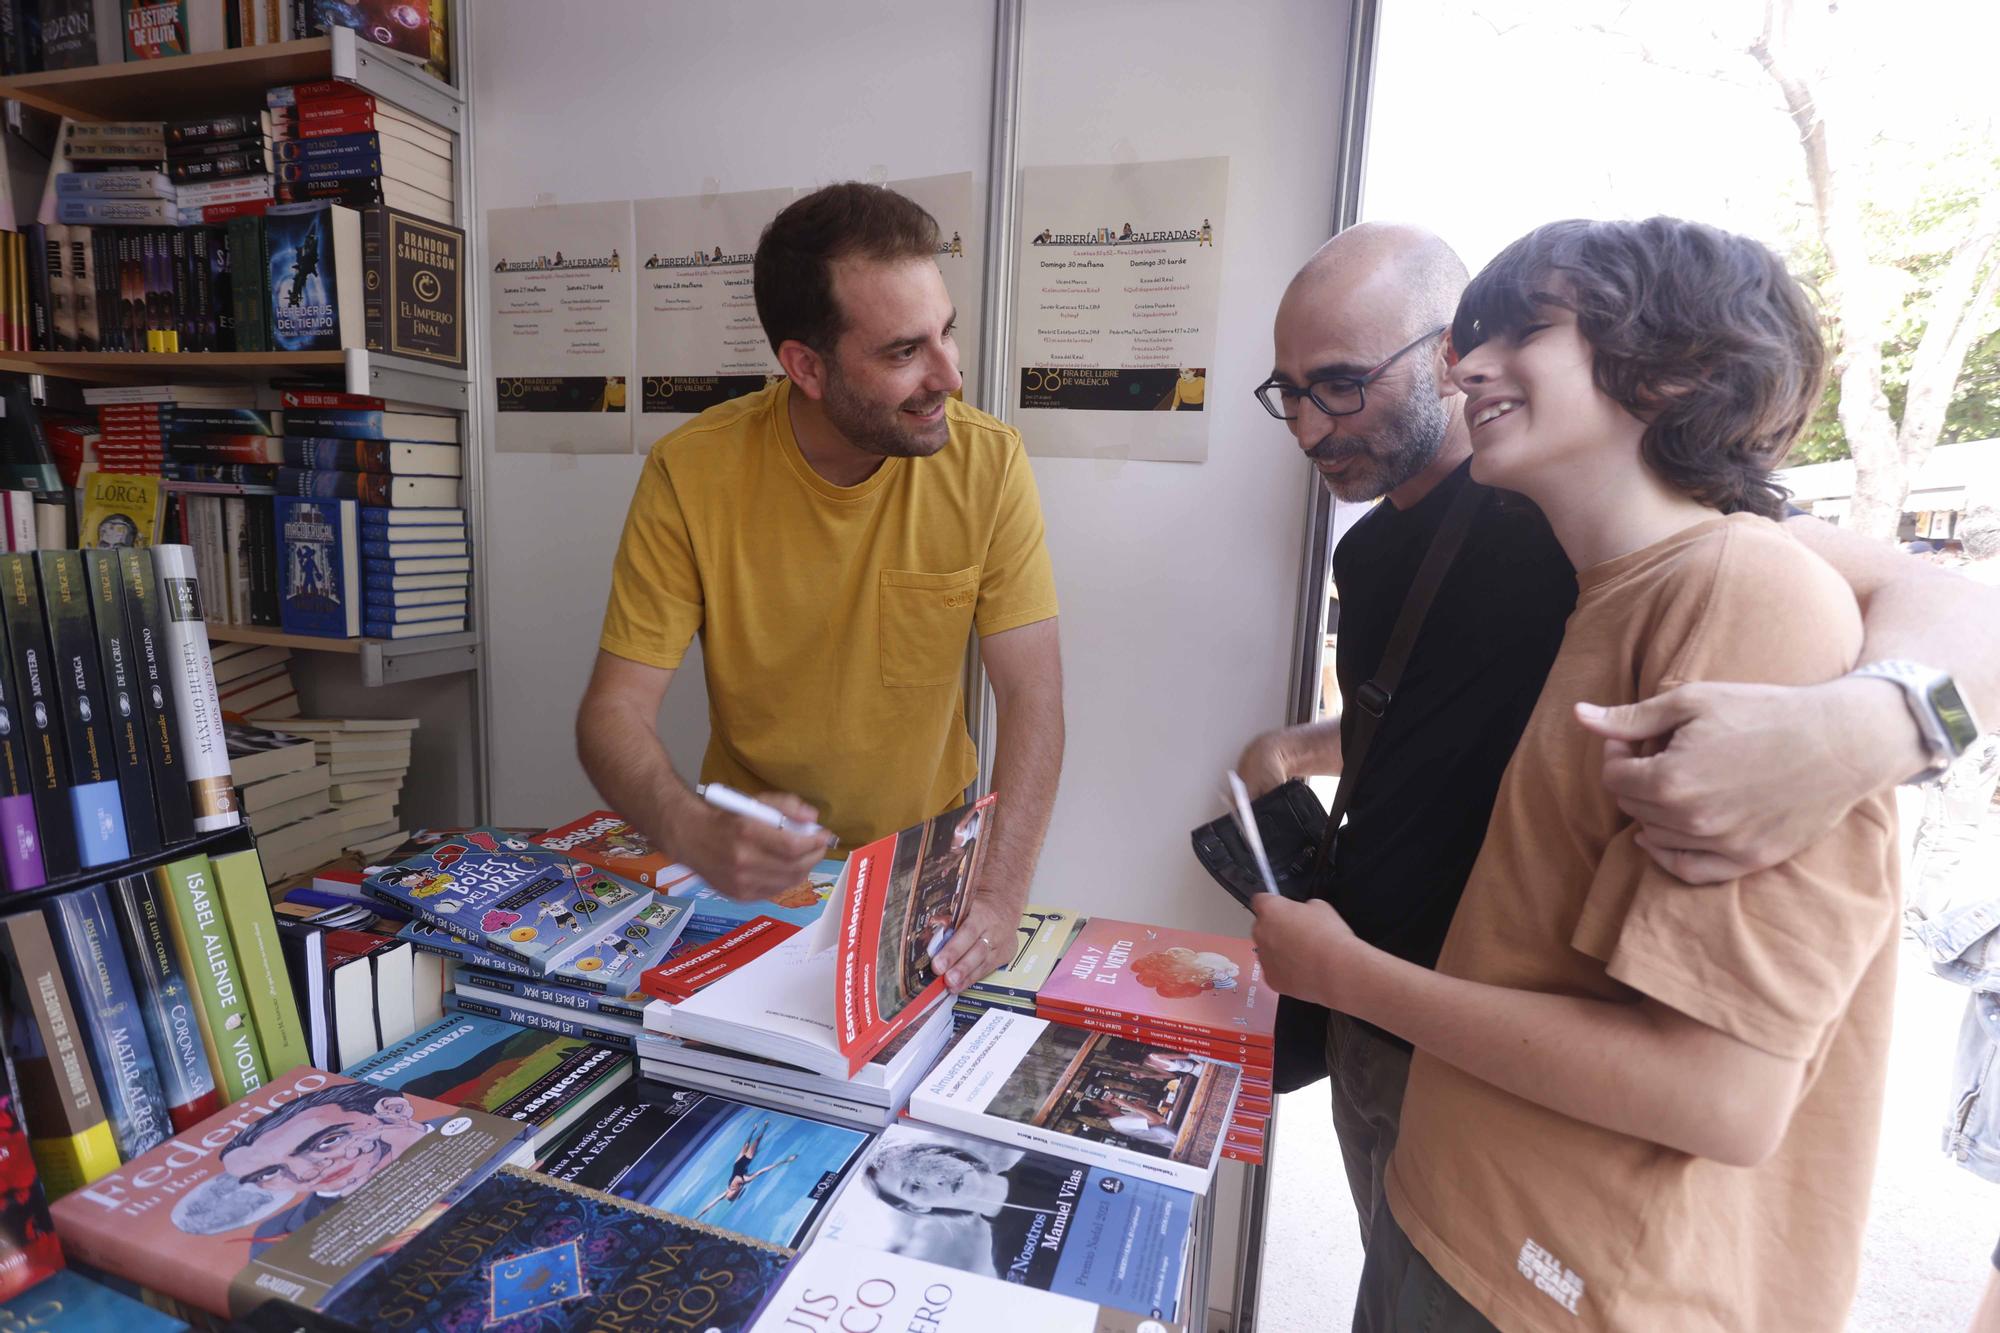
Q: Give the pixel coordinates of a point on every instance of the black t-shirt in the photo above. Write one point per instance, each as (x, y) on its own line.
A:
(1425, 791)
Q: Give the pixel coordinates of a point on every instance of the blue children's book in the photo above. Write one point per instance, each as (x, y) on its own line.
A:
(85, 935)
(610, 964)
(524, 1251)
(497, 891)
(319, 572)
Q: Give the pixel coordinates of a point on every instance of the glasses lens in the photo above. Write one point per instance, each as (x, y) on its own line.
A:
(1338, 398)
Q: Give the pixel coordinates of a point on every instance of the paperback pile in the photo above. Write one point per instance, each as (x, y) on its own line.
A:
(337, 143)
(1181, 990)
(367, 760)
(1040, 940)
(254, 682)
(220, 166)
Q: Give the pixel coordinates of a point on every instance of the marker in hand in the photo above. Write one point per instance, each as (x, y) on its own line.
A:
(736, 803)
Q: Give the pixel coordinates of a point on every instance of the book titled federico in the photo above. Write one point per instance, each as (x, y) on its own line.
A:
(319, 567)
(495, 890)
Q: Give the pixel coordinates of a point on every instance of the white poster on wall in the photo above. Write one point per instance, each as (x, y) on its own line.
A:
(961, 257)
(561, 296)
(1119, 275)
(699, 339)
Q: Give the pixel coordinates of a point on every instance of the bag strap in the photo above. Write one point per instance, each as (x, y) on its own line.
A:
(1374, 695)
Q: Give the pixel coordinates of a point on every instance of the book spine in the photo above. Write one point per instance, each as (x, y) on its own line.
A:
(1070, 1011)
(146, 633)
(191, 676)
(69, 1136)
(329, 169)
(332, 148)
(264, 591)
(86, 940)
(281, 1038)
(458, 951)
(40, 712)
(226, 167)
(117, 212)
(20, 841)
(121, 698)
(165, 1002)
(458, 1002)
(240, 125)
(358, 192)
(98, 809)
(261, 450)
(115, 185)
(248, 143)
(83, 289)
(569, 996)
(41, 309)
(201, 941)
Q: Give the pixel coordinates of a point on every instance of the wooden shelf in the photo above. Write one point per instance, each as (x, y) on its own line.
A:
(224, 81)
(271, 638)
(383, 661)
(149, 367)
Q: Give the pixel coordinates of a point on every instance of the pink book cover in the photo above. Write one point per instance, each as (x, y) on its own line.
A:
(1163, 978)
(292, 1192)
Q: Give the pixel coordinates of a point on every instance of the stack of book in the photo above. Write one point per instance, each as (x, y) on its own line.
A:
(220, 166)
(145, 1005)
(254, 682)
(284, 790)
(359, 989)
(1040, 940)
(367, 760)
(335, 142)
(1197, 994)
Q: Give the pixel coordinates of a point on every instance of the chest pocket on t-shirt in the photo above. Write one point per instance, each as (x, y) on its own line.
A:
(925, 621)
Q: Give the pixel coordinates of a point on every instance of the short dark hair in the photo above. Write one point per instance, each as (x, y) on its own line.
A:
(793, 275)
(1699, 331)
(361, 1098)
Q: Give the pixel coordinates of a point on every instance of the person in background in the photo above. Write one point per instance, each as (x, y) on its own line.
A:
(835, 540)
(1723, 778)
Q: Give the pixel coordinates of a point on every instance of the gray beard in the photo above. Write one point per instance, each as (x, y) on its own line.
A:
(1405, 446)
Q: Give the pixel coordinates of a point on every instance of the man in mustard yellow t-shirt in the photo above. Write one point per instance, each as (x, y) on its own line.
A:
(835, 539)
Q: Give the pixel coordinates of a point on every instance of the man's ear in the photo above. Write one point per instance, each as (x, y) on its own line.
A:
(395, 1108)
(804, 366)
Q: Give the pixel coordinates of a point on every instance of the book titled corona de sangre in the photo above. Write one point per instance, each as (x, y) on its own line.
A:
(525, 1251)
(495, 890)
(251, 1205)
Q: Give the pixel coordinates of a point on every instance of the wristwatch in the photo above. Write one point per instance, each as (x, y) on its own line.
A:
(1943, 717)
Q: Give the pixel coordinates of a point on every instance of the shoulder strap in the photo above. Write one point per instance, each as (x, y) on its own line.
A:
(1372, 699)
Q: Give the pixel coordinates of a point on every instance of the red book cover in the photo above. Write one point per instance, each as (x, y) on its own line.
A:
(1165, 980)
(677, 980)
(897, 902)
(607, 841)
(1254, 1059)
(321, 400)
(29, 1251)
(294, 1191)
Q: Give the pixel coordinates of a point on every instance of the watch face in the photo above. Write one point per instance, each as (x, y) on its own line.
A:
(1951, 710)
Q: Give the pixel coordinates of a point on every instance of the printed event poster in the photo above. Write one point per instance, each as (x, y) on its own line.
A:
(561, 297)
(961, 257)
(1119, 277)
(699, 339)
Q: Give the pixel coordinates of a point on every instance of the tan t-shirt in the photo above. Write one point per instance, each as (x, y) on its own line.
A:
(1544, 1222)
(833, 620)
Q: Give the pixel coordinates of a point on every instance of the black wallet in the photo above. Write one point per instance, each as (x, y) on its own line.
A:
(1291, 822)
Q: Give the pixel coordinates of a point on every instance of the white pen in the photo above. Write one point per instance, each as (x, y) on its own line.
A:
(736, 803)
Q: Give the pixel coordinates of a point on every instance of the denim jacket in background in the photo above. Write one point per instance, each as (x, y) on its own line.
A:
(1953, 911)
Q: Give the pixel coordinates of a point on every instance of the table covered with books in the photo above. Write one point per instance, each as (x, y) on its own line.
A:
(513, 1078)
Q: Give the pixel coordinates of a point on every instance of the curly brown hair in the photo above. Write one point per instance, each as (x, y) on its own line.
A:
(1699, 332)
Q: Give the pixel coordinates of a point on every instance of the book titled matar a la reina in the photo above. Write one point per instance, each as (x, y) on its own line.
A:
(293, 1193)
(497, 891)
(523, 1251)
(1144, 1110)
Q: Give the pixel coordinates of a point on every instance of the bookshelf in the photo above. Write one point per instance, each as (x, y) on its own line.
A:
(221, 81)
(438, 679)
(235, 839)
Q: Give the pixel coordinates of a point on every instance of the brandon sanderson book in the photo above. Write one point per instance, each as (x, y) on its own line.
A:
(524, 1252)
(293, 1192)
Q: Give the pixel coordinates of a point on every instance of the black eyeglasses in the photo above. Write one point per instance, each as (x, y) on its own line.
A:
(1336, 395)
